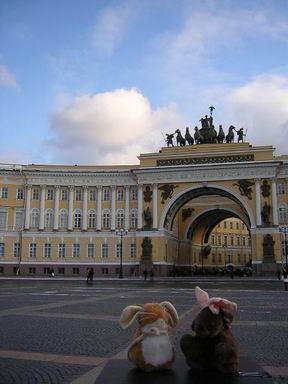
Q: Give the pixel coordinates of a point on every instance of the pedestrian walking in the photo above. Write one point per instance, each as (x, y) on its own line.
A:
(151, 275)
(145, 273)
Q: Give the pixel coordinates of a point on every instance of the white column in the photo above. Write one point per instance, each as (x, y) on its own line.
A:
(113, 208)
(258, 203)
(155, 206)
(140, 206)
(42, 207)
(127, 207)
(70, 209)
(56, 208)
(274, 203)
(27, 207)
(99, 208)
(85, 205)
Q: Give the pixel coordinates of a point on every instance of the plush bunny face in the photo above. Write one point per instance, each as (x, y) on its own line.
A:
(208, 324)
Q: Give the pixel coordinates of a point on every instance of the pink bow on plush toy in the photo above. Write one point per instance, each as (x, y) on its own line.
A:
(215, 303)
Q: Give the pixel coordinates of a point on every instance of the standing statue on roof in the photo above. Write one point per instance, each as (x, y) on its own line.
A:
(240, 134)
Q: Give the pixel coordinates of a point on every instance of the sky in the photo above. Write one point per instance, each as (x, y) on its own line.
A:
(99, 82)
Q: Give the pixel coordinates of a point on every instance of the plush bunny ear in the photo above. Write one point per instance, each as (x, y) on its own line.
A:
(128, 315)
(173, 315)
(202, 297)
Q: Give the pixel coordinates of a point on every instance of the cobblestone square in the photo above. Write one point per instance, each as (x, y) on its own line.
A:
(64, 331)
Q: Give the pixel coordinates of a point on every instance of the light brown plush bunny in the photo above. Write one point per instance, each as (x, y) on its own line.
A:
(151, 348)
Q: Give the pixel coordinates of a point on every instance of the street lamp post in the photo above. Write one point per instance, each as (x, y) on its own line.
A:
(121, 232)
(284, 229)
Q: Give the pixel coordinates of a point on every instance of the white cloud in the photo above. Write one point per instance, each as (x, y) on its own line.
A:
(7, 78)
(110, 128)
(110, 28)
(262, 107)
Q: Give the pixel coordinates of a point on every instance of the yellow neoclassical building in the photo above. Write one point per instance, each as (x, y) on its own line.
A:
(168, 207)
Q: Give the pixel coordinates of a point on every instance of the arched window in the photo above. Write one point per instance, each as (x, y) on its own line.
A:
(133, 218)
(77, 218)
(92, 219)
(120, 218)
(282, 213)
(49, 217)
(35, 218)
(63, 218)
(106, 219)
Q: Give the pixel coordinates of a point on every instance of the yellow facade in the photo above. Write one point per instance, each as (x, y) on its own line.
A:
(169, 206)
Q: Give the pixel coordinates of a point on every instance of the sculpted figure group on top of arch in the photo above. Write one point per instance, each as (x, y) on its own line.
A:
(207, 134)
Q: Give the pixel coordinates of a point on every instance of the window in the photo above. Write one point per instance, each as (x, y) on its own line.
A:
(213, 240)
(238, 241)
(19, 219)
(92, 195)
(219, 240)
(237, 226)
(105, 250)
(106, 194)
(120, 195)
(64, 194)
(61, 250)
(47, 250)
(20, 194)
(16, 250)
(118, 250)
(63, 218)
(104, 271)
(33, 250)
(2, 249)
(76, 271)
(3, 219)
(132, 250)
(35, 218)
(120, 218)
(35, 194)
(133, 218)
(2, 269)
(281, 188)
(50, 194)
(282, 214)
(244, 241)
(61, 271)
(92, 219)
(134, 194)
(46, 270)
(76, 250)
(224, 225)
(232, 241)
(49, 218)
(231, 225)
(90, 250)
(106, 219)
(32, 270)
(225, 240)
(77, 219)
(4, 193)
(78, 195)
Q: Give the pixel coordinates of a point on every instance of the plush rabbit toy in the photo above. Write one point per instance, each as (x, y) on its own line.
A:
(213, 346)
(151, 348)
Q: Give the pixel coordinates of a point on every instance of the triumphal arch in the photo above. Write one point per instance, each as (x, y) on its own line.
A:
(158, 214)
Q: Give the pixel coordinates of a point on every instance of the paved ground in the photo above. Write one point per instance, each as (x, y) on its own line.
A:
(63, 331)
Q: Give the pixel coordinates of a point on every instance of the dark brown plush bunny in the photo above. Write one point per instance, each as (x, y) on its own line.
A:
(213, 346)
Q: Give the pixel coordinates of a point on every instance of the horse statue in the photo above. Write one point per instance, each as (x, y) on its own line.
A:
(212, 135)
(197, 136)
(179, 138)
(188, 137)
(221, 135)
(230, 135)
